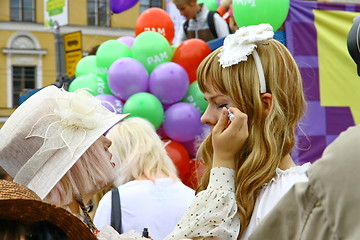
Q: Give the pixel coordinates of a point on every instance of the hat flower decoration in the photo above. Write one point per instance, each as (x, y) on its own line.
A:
(72, 115)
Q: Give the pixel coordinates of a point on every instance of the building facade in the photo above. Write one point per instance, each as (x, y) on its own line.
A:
(28, 58)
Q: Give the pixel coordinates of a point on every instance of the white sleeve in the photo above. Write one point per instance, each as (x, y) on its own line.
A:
(221, 27)
(103, 212)
(213, 213)
(180, 35)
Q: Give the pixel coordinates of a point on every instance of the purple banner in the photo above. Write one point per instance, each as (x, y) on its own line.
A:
(321, 125)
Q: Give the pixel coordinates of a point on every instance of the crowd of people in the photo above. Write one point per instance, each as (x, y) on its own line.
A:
(61, 148)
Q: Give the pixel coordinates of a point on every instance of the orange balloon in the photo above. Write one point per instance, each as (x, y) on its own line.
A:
(157, 20)
(189, 55)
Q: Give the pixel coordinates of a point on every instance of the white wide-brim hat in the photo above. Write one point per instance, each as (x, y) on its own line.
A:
(48, 133)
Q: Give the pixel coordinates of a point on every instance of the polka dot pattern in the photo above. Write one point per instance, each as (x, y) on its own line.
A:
(213, 213)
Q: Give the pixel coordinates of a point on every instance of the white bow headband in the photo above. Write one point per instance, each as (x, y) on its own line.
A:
(242, 43)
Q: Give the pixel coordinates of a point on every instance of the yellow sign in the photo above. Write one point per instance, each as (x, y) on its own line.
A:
(72, 41)
(71, 59)
(339, 82)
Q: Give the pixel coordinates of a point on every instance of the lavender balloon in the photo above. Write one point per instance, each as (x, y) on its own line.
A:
(111, 102)
(182, 122)
(128, 40)
(126, 77)
(169, 82)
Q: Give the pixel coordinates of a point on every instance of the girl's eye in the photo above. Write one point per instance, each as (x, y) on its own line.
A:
(221, 106)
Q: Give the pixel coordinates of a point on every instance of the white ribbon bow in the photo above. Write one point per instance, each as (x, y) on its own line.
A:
(242, 43)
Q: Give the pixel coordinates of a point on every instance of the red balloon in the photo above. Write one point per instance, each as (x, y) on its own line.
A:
(193, 177)
(157, 20)
(180, 156)
(189, 55)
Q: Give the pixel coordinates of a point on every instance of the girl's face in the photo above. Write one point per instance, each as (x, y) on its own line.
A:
(216, 101)
(105, 143)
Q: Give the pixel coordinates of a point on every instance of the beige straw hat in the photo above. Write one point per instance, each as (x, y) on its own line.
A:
(21, 204)
(48, 133)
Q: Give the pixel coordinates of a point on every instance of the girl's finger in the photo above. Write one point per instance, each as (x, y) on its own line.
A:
(222, 123)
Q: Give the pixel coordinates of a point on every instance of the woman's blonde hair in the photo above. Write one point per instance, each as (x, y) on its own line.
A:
(91, 173)
(271, 136)
(139, 152)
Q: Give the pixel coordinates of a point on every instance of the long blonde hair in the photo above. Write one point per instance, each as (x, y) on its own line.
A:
(139, 152)
(271, 137)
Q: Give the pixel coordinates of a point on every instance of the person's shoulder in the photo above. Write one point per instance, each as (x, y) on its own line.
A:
(283, 181)
(289, 176)
(185, 187)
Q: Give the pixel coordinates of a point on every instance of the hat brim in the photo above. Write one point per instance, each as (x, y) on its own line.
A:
(59, 163)
(31, 211)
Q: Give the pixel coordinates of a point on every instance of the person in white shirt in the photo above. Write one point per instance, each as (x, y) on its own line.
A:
(197, 22)
(151, 194)
(255, 100)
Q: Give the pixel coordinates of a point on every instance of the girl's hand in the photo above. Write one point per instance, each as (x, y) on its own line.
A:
(228, 137)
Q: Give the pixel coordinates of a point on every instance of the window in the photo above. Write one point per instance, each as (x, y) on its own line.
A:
(98, 13)
(23, 79)
(145, 4)
(22, 10)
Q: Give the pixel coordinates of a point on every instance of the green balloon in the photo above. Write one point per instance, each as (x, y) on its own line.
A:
(110, 51)
(195, 97)
(212, 5)
(151, 49)
(90, 82)
(147, 106)
(101, 72)
(248, 13)
(85, 65)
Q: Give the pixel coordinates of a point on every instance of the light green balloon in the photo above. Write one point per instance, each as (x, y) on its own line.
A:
(147, 106)
(151, 49)
(101, 72)
(85, 65)
(195, 97)
(212, 5)
(90, 82)
(110, 51)
(248, 13)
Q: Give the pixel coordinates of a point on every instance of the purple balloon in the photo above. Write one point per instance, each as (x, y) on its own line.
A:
(182, 122)
(193, 145)
(118, 6)
(128, 40)
(126, 77)
(111, 102)
(169, 82)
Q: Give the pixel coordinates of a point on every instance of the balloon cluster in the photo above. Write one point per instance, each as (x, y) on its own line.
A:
(148, 77)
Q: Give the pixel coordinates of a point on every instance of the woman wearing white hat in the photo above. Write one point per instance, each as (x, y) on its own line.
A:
(53, 144)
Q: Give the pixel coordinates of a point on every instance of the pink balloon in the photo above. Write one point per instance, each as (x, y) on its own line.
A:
(128, 40)
(126, 77)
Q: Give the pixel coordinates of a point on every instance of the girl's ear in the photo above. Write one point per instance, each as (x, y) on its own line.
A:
(266, 99)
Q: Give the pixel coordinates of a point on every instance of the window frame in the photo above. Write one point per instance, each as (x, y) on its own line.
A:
(97, 20)
(23, 79)
(146, 4)
(21, 11)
